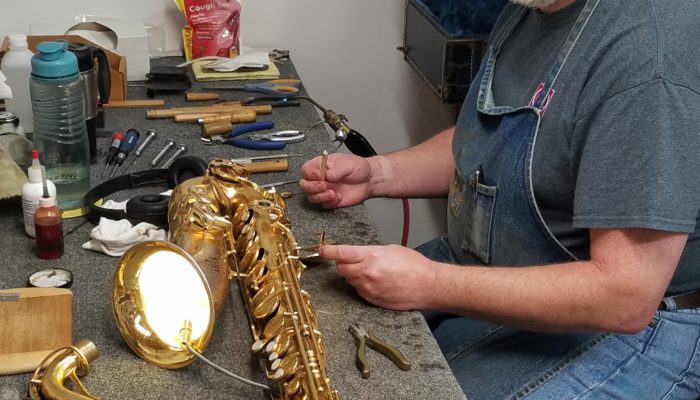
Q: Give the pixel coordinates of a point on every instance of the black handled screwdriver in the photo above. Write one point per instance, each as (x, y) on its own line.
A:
(113, 150)
(128, 144)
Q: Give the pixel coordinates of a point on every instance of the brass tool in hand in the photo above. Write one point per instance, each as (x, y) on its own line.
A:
(364, 338)
(324, 165)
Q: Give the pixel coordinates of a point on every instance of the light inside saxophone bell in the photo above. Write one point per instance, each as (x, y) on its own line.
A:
(172, 292)
(157, 286)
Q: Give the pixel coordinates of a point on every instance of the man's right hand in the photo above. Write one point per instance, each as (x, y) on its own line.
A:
(347, 182)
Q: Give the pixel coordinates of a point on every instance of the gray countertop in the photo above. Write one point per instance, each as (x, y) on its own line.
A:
(119, 374)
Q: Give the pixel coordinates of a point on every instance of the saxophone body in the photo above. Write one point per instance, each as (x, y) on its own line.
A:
(234, 229)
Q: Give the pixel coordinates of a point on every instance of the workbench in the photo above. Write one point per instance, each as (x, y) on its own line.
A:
(119, 374)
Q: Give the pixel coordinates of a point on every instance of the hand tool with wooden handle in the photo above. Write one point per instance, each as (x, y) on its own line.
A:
(213, 109)
(216, 128)
(235, 117)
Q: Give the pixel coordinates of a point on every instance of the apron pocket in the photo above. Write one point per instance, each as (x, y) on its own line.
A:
(479, 201)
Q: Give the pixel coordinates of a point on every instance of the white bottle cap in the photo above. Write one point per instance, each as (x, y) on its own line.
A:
(45, 202)
(18, 41)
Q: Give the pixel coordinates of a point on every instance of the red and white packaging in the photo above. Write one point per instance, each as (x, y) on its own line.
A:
(213, 28)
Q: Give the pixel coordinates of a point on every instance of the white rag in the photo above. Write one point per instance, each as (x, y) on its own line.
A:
(114, 238)
(5, 91)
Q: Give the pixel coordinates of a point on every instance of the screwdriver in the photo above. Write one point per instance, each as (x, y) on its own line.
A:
(132, 137)
(150, 135)
(113, 149)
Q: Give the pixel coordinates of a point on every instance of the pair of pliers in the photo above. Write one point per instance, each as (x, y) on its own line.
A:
(364, 338)
(231, 138)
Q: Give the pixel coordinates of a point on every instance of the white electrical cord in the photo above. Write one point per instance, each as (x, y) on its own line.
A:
(222, 370)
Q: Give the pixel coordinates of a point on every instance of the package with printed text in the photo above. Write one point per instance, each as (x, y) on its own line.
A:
(212, 27)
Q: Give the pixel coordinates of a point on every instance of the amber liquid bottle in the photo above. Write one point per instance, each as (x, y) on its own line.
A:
(48, 225)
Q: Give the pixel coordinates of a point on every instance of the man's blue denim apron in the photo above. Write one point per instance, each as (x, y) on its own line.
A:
(493, 218)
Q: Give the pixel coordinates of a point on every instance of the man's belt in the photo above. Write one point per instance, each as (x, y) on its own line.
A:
(682, 301)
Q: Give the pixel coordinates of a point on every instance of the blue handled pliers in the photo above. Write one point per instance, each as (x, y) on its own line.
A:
(231, 138)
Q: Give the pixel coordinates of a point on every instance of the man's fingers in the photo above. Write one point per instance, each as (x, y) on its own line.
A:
(313, 187)
(328, 197)
(343, 254)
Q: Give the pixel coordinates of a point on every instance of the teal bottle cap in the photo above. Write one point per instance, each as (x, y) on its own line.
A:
(54, 61)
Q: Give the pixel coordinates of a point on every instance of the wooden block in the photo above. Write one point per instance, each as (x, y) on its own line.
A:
(34, 322)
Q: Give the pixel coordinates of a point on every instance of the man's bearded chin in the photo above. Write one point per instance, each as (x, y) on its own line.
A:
(534, 3)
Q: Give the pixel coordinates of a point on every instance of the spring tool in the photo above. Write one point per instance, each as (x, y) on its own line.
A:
(182, 149)
(168, 145)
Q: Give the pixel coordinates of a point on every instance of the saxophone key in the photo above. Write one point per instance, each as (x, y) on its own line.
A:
(276, 324)
(258, 345)
(288, 365)
(292, 386)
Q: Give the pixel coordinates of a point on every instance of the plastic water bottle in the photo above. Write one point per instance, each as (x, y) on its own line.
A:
(57, 93)
(16, 65)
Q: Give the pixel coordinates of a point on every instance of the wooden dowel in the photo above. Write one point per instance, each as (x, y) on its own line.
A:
(134, 103)
(201, 96)
(279, 165)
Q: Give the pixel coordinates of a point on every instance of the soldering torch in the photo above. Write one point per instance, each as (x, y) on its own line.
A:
(353, 140)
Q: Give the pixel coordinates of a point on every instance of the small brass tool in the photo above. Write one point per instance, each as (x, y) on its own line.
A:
(324, 165)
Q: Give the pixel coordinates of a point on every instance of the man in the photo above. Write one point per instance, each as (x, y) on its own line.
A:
(571, 266)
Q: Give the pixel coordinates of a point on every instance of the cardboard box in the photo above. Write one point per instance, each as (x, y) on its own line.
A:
(126, 38)
(117, 63)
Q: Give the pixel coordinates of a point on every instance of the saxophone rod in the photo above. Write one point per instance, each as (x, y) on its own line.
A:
(304, 317)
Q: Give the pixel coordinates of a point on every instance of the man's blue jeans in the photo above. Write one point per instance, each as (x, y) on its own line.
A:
(491, 361)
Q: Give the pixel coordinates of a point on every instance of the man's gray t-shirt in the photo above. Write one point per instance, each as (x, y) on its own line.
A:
(619, 142)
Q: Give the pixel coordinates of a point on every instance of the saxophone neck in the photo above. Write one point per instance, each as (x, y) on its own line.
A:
(69, 363)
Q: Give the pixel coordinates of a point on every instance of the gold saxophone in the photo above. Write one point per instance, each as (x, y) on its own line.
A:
(232, 228)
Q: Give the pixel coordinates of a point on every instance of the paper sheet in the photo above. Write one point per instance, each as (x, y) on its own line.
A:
(272, 72)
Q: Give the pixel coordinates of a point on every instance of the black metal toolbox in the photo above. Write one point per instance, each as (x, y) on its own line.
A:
(445, 40)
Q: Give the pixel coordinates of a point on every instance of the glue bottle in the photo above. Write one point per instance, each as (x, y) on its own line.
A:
(48, 225)
(32, 192)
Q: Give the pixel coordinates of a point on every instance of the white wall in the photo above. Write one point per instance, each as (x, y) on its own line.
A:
(345, 52)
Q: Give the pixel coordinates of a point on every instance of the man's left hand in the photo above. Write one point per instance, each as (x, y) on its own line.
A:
(393, 276)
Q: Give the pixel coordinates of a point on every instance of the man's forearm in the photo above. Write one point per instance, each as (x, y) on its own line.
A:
(576, 296)
(425, 170)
